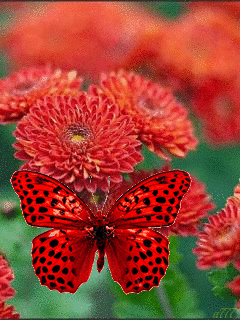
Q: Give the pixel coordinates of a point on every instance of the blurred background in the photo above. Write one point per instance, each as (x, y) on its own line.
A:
(193, 48)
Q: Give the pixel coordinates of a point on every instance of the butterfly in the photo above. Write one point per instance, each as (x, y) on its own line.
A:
(63, 257)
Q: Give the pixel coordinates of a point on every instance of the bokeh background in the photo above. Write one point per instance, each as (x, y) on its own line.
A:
(187, 289)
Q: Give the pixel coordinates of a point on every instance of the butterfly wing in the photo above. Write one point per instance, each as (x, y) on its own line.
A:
(153, 202)
(137, 258)
(46, 202)
(63, 259)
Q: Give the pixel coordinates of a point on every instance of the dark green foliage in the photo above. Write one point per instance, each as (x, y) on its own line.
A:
(219, 278)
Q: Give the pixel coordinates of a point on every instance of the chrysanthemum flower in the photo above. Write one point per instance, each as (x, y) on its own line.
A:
(218, 243)
(161, 122)
(6, 291)
(6, 276)
(83, 40)
(79, 141)
(8, 312)
(217, 104)
(195, 206)
(20, 90)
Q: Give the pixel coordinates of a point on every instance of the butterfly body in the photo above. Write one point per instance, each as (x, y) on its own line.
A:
(100, 232)
(63, 257)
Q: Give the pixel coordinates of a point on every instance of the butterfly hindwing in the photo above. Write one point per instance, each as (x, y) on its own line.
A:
(154, 202)
(63, 259)
(137, 258)
(46, 202)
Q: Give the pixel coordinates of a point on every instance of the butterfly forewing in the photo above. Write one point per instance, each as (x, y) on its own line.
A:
(63, 259)
(137, 258)
(47, 203)
(154, 202)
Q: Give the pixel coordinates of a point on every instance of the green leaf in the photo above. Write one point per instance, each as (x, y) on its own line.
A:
(219, 278)
(133, 305)
(182, 298)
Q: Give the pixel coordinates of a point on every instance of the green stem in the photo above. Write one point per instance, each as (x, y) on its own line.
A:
(164, 301)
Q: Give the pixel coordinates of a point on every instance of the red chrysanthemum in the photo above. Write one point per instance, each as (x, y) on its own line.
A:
(83, 40)
(8, 312)
(6, 276)
(195, 206)
(79, 141)
(217, 104)
(219, 242)
(161, 122)
(20, 90)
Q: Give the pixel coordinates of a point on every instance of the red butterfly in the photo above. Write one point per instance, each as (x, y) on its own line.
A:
(138, 256)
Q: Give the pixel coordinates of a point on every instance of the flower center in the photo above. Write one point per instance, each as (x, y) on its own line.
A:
(225, 234)
(77, 133)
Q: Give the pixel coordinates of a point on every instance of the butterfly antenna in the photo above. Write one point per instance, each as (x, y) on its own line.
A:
(90, 177)
(106, 195)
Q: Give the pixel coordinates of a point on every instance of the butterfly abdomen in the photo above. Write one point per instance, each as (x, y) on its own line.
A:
(100, 234)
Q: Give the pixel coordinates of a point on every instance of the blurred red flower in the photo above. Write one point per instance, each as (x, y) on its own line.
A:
(161, 122)
(6, 276)
(232, 8)
(6, 291)
(202, 44)
(80, 141)
(198, 55)
(20, 90)
(218, 243)
(92, 36)
(8, 312)
(217, 103)
(234, 286)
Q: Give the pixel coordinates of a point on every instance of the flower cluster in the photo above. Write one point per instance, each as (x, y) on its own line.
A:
(196, 54)
(6, 291)
(219, 242)
(83, 40)
(85, 138)
(202, 51)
